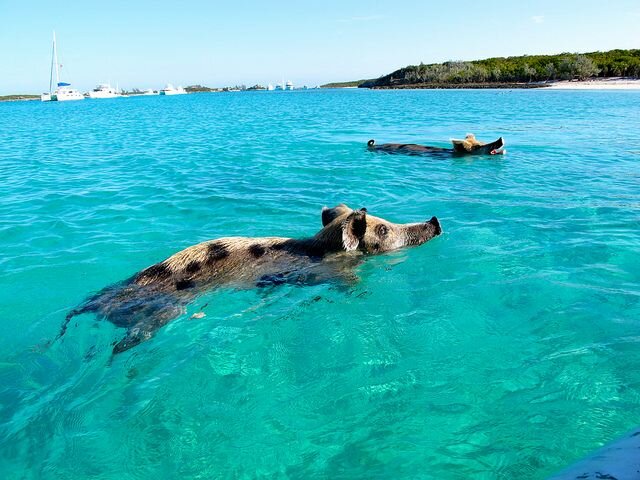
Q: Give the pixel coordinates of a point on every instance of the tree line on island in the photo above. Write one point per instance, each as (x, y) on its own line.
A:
(525, 70)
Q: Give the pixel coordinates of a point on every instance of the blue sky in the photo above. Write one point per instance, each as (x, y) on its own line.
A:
(146, 44)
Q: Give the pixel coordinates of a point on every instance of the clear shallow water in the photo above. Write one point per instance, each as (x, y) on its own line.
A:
(506, 348)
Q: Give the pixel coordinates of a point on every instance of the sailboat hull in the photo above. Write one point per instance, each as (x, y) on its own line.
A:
(66, 95)
(65, 98)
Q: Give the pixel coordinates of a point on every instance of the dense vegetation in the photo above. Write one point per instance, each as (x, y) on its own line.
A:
(523, 69)
(199, 88)
(355, 83)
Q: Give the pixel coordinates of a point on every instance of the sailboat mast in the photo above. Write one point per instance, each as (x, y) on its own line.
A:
(55, 56)
(53, 50)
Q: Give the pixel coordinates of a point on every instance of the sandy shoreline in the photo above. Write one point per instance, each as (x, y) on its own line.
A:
(614, 83)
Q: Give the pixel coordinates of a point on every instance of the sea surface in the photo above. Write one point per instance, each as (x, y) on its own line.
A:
(506, 348)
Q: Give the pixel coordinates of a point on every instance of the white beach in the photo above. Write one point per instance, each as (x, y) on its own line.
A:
(614, 83)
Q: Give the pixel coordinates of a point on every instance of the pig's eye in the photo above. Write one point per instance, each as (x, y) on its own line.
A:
(382, 230)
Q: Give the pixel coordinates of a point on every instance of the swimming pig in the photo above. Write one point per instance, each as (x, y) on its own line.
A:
(469, 146)
(154, 296)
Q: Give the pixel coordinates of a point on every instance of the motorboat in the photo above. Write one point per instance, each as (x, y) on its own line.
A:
(288, 85)
(104, 90)
(171, 90)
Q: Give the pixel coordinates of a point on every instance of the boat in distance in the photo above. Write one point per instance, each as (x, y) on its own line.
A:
(104, 90)
(171, 90)
(63, 91)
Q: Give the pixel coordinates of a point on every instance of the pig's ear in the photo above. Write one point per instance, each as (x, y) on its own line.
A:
(353, 229)
(330, 214)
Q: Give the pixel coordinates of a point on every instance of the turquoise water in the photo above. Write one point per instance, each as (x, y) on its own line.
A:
(506, 348)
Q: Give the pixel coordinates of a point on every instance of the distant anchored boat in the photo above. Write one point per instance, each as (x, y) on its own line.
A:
(104, 90)
(288, 85)
(63, 91)
(171, 90)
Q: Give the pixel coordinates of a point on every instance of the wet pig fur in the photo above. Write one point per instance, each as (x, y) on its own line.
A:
(151, 298)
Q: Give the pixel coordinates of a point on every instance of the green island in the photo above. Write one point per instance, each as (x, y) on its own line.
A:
(355, 83)
(13, 98)
(200, 89)
(525, 71)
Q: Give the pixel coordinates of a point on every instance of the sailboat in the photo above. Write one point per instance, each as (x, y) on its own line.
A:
(63, 91)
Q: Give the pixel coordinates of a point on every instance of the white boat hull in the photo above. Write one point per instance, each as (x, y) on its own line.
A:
(66, 95)
(104, 90)
(171, 90)
(103, 95)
